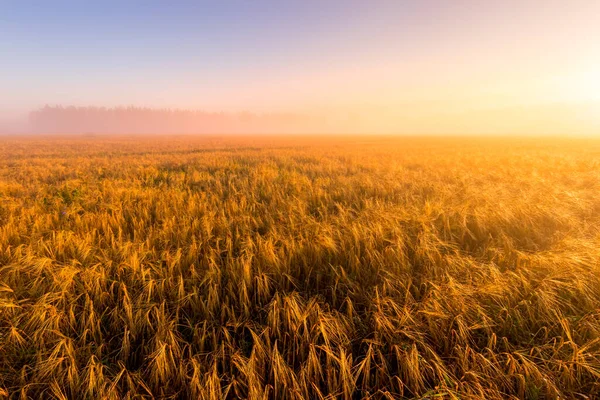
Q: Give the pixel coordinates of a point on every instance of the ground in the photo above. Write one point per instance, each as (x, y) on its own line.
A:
(299, 267)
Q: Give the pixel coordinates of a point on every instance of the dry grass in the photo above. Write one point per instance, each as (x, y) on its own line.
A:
(299, 268)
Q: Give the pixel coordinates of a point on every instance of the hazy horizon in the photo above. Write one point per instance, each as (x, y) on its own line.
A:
(559, 119)
(383, 67)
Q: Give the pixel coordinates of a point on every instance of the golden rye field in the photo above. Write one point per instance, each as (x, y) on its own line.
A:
(289, 268)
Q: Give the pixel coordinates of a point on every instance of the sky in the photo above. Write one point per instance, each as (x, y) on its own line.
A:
(377, 66)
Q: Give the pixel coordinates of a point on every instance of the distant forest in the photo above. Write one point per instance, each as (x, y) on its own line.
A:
(59, 119)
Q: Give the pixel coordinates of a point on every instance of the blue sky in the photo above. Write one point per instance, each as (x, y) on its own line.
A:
(55, 48)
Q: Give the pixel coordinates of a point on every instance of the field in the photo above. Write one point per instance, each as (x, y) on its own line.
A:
(290, 268)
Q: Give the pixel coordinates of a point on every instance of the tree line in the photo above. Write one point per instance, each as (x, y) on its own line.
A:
(72, 119)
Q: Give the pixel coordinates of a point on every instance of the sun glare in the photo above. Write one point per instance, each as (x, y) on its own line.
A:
(584, 85)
